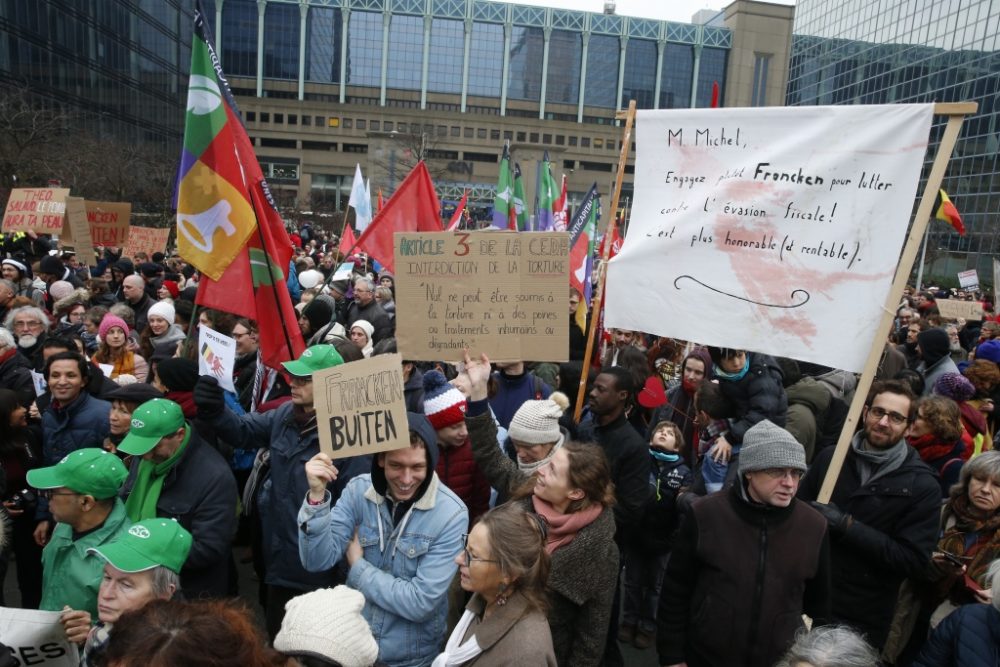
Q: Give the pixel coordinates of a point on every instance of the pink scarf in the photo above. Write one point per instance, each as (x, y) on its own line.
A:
(562, 528)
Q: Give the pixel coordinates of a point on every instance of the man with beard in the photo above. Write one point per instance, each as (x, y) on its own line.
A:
(365, 307)
(15, 373)
(30, 325)
(679, 407)
(883, 515)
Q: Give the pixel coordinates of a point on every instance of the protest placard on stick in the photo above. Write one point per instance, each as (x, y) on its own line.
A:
(968, 279)
(216, 356)
(502, 293)
(76, 231)
(360, 408)
(956, 308)
(147, 240)
(36, 209)
(36, 638)
(109, 222)
(757, 228)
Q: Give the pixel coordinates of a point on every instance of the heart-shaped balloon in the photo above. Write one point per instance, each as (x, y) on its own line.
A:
(652, 394)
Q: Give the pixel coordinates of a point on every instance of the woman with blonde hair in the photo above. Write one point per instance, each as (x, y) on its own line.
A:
(504, 565)
(572, 491)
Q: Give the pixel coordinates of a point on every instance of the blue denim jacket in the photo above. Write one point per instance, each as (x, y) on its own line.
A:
(406, 569)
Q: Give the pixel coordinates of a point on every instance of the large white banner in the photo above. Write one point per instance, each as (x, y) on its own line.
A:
(770, 229)
(36, 638)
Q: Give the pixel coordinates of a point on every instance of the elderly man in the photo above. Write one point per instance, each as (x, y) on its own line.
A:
(82, 490)
(365, 307)
(8, 290)
(134, 290)
(289, 433)
(30, 325)
(15, 371)
(883, 516)
(747, 564)
(175, 475)
(140, 566)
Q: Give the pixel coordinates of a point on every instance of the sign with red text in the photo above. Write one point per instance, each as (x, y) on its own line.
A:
(35, 209)
(147, 240)
(108, 222)
(360, 408)
(505, 294)
(776, 230)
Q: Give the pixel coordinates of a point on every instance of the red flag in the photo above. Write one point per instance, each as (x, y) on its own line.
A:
(715, 95)
(560, 210)
(413, 208)
(348, 242)
(459, 210)
(946, 211)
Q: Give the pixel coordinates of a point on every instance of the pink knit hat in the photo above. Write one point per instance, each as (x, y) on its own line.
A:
(110, 321)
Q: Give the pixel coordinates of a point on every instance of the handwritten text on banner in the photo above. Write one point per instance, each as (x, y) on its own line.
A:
(776, 230)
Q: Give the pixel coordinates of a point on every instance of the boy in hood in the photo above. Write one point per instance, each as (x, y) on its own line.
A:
(398, 529)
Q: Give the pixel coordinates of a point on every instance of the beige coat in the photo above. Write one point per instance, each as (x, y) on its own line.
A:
(512, 635)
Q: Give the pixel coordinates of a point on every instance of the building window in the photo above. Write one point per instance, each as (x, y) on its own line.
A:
(546, 138)
(598, 143)
(508, 135)
(355, 148)
(360, 123)
(560, 140)
(348, 124)
(374, 125)
(525, 76)
(572, 140)
(281, 41)
(406, 40)
(364, 49)
(481, 133)
(320, 121)
(469, 133)
(456, 131)
(307, 120)
(533, 138)
(387, 126)
(569, 164)
(333, 122)
(293, 119)
(442, 131)
(324, 35)
(239, 37)
(447, 52)
(265, 117)
(584, 142)
(521, 137)
(675, 81)
(761, 65)
(603, 53)
(565, 54)
(251, 116)
(486, 59)
(640, 72)
(279, 118)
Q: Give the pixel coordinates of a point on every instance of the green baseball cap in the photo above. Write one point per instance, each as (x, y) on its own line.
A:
(91, 472)
(315, 358)
(148, 544)
(151, 421)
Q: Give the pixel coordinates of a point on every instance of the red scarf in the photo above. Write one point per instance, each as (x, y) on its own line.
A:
(562, 528)
(930, 448)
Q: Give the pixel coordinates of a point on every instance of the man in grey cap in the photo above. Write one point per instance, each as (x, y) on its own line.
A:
(748, 562)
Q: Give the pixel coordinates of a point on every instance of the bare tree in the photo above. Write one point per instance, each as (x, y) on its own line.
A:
(27, 129)
(398, 153)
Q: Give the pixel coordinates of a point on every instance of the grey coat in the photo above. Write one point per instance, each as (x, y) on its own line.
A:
(583, 573)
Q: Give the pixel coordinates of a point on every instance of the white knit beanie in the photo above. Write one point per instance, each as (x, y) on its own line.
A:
(327, 623)
(162, 309)
(537, 422)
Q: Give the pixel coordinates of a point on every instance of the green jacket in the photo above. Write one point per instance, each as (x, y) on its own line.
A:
(71, 576)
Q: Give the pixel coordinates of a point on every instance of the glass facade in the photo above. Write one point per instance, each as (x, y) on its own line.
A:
(444, 73)
(675, 80)
(562, 85)
(324, 37)
(486, 59)
(406, 52)
(895, 51)
(239, 37)
(524, 82)
(121, 68)
(603, 53)
(640, 73)
(281, 41)
(364, 49)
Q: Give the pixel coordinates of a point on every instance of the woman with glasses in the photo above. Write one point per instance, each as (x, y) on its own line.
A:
(573, 492)
(504, 565)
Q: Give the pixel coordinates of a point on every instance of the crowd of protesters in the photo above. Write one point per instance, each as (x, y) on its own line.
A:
(681, 513)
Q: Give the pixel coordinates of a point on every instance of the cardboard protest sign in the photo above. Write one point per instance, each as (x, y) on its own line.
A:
(768, 229)
(968, 279)
(955, 308)
(36, 638)
(360, 407)
(38, 209)
(76, 231)
(147, 240)
(216, 356)
(502, 293)
(109, 222)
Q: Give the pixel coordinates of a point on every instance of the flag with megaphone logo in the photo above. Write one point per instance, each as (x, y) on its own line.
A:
(214, 213)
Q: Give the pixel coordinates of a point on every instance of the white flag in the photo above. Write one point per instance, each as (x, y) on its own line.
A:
(361, 202)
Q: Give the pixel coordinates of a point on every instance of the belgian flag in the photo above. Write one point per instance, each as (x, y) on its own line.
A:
(945, 210)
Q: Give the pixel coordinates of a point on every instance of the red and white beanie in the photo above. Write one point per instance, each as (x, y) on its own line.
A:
(444, 405)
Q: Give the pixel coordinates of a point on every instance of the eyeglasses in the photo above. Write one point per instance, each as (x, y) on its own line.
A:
(49, 493)
(894, 417)
(34, 324)
(781, 473)
(469, 558)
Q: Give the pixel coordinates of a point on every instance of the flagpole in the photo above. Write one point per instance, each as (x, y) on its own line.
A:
(923, 255)
(605, 253)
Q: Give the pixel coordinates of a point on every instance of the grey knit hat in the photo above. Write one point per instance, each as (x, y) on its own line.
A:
(767, 445)
(537, 422)
(328, 623)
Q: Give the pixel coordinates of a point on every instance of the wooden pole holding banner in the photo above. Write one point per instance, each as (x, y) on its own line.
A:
(956, 113)
(629, 117)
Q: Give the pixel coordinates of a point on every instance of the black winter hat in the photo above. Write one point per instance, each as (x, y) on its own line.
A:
(177, 374)
(138, 392)
(934, 345)
(51, 265)
(319, 312)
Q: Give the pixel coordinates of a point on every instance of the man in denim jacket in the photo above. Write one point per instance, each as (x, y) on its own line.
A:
(399, 530)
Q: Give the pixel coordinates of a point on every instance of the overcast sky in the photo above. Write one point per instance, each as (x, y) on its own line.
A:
(670, 10)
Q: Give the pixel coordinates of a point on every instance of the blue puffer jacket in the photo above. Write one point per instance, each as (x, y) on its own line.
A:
(65, 429)
(282, 492)
(969, 637)
(407, 566)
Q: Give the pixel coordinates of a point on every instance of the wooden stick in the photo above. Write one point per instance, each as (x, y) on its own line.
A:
(956, 112)
(599, 289)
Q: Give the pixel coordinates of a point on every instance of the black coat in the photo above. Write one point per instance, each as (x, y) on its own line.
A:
(759, 395)
(200, 493)
(894, 530)
(969, 637)
(628, 458)
(375, 315)
(738, 581)
(15, 374)
(660, 516)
